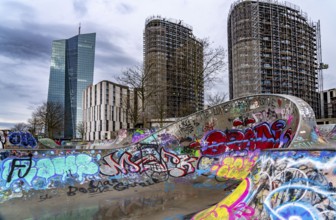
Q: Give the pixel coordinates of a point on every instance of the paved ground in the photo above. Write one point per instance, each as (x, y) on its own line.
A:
(158, 201)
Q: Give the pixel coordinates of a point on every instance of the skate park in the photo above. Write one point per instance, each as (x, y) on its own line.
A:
(257, 157)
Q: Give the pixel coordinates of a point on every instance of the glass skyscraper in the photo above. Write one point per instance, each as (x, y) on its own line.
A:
(71, 71)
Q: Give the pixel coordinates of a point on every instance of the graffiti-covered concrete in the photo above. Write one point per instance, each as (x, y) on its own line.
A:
(258, 157)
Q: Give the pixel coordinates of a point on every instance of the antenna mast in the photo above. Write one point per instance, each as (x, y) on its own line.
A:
(79, 28)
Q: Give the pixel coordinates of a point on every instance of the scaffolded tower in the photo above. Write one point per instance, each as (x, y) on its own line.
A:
(173, 60)
(272, 49)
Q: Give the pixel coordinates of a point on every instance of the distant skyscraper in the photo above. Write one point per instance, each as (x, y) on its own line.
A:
(173, 57)
(273, 48)
(71, 71)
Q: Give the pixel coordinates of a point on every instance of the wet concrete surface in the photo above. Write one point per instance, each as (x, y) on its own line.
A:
(165, 200)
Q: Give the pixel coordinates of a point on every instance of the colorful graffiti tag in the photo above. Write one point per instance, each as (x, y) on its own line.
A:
(285, 185)
(232, 207)
(148, 160)
(235, 142)
(261, 136)
(18, 139)
(41, 172)
(233, 167)
(22, 139)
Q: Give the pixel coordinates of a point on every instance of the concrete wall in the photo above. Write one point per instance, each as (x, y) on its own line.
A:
(256, 142)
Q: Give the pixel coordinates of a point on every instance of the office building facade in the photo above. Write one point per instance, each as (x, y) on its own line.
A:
(272, 48)
(105, 110)
(173, 59)
(328, 106)
(71, 71)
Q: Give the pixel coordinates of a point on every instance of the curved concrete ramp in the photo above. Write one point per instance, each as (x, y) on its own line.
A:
(265, 149)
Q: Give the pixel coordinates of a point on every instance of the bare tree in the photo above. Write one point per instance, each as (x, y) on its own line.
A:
(131, 107)
(35, 126)
(21, 127)
(138, 78)
(49, 115)
(217, 98)
(159, 108)
(213, 62)
(81, 129)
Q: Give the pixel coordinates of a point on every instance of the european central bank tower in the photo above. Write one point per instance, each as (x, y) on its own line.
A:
(71, 71)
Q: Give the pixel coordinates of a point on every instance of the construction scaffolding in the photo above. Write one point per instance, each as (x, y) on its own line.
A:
(273, 49)
(175, 57)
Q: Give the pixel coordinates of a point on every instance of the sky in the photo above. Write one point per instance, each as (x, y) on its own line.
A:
(28, 27)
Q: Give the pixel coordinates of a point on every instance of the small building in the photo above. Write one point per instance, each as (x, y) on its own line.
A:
(105, 110)
(328, 107)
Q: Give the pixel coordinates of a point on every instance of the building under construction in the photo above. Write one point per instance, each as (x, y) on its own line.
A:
(173, 63)
(273, 48)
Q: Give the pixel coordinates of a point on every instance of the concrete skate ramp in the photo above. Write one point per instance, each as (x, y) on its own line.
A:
(266, 147)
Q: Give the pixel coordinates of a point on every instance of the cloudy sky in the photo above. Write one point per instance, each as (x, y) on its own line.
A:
(28, 27)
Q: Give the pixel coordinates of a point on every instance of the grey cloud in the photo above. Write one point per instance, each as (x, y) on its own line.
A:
(33, 41)
(112, 54)
(124, 8)
(80, 7)
(23, 44)
(16, 90)
(18, 9)
(50, 31)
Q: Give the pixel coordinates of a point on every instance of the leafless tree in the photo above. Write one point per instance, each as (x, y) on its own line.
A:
(217, 98)
(81, 129)
(35, 126)
(159, 110)
(213, 62)
(137, 78)
(131, 107)
(21, 127)
(49, 115)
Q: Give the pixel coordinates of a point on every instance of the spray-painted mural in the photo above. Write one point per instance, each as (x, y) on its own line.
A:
(283, 185)
(18, 139)
(250, 141)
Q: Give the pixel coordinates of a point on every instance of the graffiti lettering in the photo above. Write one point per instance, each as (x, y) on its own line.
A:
(45, 197)
(105, 186)
(22, 139)
(261, 136)
(111, 167)
(15, 165)
(174, 165)
(186, 127)
(234, 167)
(33, 171)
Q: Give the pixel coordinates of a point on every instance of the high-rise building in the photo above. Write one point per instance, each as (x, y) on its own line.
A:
(106, 110)
(273, 48)
(173, 61)
(71, 71)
